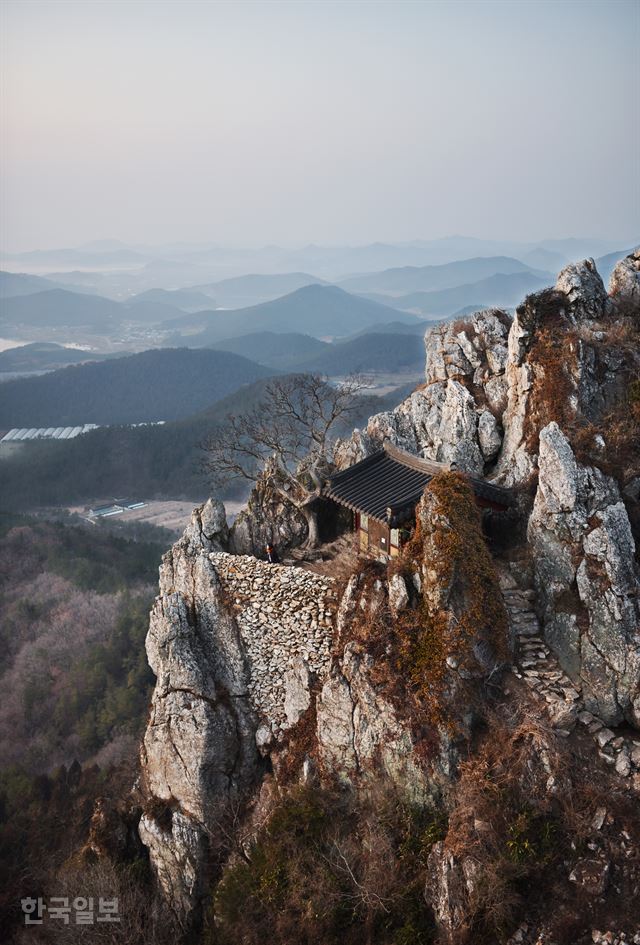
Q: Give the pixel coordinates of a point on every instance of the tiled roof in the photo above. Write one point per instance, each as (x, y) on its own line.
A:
(388, 485)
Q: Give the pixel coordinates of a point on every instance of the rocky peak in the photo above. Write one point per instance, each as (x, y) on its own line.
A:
(584, 290)
(455, 416)
(271, 676)
(492, 382)
(208, 527)
(267, 520)
(624, 284)
(473, 348)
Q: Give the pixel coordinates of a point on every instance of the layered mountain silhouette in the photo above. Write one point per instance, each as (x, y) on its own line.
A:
(498, 290)
(410, 279)
(320, 310)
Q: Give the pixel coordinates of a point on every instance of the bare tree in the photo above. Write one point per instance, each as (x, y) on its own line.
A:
(287, 440)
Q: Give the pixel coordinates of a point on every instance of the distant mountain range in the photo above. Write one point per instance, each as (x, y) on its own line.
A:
(409, 279)
(606, 264)
(153, 385)
(323, 311)
(293, 301)
(319, 310)
(118, 270)
(18, 283)
(545, 259)
(187, 300)
(497, 290)
(59, 307)
(81, 258)
(244, 291)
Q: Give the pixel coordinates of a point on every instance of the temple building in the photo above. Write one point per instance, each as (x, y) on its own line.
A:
(383, 491)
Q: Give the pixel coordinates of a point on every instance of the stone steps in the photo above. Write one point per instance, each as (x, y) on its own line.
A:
(539, 669)
(534, 662)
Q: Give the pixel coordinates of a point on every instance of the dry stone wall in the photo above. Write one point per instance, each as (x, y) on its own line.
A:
(285, 617)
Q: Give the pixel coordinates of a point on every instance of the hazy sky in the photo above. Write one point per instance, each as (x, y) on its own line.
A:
(250, 123)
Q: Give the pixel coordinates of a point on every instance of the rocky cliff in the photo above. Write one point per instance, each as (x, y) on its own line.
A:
(507, 398)
(473, 680)
(226, 638)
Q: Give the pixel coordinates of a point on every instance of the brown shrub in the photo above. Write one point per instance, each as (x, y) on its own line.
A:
(464, 325)
(521, 814)
(143, 918)
(553, 356)
(161, 811)
(298, 742)
(456, 557)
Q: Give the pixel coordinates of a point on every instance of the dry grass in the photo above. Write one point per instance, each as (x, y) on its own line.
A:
(521, 813)
(620, 431)
(463, 607)
(554, 357)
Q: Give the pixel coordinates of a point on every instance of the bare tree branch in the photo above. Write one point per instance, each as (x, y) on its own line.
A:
(293, 428)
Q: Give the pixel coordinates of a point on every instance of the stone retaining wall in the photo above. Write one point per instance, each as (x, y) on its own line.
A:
(285, 615)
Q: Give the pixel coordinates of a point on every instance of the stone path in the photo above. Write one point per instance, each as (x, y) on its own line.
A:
(540, 670)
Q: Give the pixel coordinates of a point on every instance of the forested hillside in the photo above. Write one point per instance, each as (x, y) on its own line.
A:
(74, 604)
(370, 352)
(279, 351)
(43, 356)
(153, 385)
(55, 307)
(152, 462)
(388, 350)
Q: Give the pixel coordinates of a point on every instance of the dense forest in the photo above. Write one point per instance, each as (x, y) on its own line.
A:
(74, 603)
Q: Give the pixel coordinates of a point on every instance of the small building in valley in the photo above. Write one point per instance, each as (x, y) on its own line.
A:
(383, 491)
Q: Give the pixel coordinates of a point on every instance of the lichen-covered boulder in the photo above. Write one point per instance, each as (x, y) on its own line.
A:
(178, 848)
(474, 348)
(360, 732)
(297, 690)
(450, 883)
